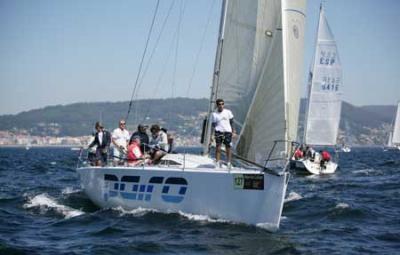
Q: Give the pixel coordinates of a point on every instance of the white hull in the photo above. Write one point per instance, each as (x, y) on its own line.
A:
(390, 148)
(346, 149)
(314, 167)
(246, 196)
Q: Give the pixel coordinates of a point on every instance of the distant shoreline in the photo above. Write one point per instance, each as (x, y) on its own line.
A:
(41, 146)
(193, 146)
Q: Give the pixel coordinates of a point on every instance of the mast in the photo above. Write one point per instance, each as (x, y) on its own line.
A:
(217, 65)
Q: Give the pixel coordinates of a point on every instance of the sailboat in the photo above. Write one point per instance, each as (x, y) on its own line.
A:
(28, 144)
(346, 148)
(257, 70)
(394, 136)
(324, 102)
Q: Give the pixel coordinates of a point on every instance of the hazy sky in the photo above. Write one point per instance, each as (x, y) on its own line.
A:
(65, 51)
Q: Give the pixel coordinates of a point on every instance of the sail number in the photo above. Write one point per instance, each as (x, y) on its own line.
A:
(248, 181)
(327, 58)
(330, 83)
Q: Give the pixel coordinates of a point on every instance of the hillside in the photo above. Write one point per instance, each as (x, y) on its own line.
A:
(79, 119)
(366, 125)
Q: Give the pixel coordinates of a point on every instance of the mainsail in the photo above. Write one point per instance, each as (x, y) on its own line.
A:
(325, 85)
(396, 127)
(260, 72)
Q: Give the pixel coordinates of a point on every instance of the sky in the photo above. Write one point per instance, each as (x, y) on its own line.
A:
(68, 51)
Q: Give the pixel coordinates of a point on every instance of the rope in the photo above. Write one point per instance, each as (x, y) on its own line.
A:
(142, 60)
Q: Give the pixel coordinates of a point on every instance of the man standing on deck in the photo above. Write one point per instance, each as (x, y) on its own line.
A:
(102, 140)
(120, 139)
(222, 123)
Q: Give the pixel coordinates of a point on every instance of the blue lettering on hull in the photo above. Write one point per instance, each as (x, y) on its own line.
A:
(173, 190)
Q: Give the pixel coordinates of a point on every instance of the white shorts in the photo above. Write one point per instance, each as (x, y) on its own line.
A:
(118, 155)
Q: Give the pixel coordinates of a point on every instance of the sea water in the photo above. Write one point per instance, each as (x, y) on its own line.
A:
(44, 211)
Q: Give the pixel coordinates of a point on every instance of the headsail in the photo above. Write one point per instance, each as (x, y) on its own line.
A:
(396, 127)
(325, 86)
(260, 72)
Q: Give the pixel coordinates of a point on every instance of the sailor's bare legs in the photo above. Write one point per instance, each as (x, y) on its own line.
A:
(218, 152)
(158, 155)
(228, 153)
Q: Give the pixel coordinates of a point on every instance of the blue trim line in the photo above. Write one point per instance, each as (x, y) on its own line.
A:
(130, 196)
(172, 199)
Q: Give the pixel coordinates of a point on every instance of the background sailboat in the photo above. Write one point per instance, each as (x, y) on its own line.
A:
(324, 96)
(257, 71)
(394, 136)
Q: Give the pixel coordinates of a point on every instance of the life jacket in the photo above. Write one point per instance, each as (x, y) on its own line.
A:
(298, 153)
(326, 156)
(134, 152)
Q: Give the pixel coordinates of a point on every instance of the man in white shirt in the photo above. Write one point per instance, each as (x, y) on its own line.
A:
(222, 122)
(120, 138)
(158, 143)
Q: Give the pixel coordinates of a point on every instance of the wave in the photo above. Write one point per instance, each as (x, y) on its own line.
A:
(200, 217)
(139, 212)
(46, 203)
(293, 196)
(267, 226)
(342, 206)
(366, 171)
(70, 190)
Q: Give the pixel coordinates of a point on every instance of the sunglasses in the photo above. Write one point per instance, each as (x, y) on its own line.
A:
(122, 123)
(220, 104)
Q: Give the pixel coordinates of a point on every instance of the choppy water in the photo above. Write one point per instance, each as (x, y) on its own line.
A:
(43, 211)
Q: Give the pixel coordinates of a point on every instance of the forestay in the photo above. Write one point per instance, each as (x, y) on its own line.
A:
(260, 72)
(396, 128)
(325, 86)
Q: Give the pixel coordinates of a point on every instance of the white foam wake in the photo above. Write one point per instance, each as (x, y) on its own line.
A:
(140, 211)
(365, 171)
(293, 196)
(342, 206)
(69, 190)
(46, 202)
(267, 226)
(200, 217)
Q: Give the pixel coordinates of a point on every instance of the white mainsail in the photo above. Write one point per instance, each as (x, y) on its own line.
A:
(325, 86)
(390, 140)
(396, 127)
(260, 72)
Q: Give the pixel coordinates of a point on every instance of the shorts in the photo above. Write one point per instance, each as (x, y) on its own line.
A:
(223, 137)
(118, 155)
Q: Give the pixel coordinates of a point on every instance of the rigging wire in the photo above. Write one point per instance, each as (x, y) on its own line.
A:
(142, 60)
(200, 49)
(164, 67)
(151, 57)
(173, 83)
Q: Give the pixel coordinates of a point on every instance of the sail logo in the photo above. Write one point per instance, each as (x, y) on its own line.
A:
(172, 190)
